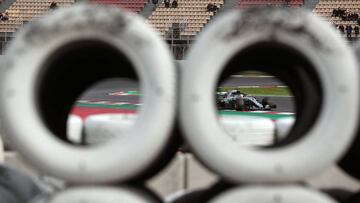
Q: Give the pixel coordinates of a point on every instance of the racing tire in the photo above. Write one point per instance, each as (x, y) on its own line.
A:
(239, 42)
(340, 195)
(105, 194)
(51, 56)
(354, 198)
(202, 195)
(239, 105)
(350, 161)
(273, 106)
(261, 194)
(265, 101)
(17, 187)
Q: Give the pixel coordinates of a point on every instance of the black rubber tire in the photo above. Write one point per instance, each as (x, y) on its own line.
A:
(270, 193)
(204, 195)
(104, 194)
(350, 161)
(265, 101)
(340, 195)
(16, 187)
(238, 106)
(355, 198)
(272, 105)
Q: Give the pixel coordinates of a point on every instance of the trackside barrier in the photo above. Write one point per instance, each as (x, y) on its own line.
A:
(247, 130)
(105, 127)
(256, 38)
(283, 127)
(52, 61)
(75, 129)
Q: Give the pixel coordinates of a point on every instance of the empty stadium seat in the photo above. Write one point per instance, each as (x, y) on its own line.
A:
(131, 5)
(190, 15)
(252, 3)
(23, 11)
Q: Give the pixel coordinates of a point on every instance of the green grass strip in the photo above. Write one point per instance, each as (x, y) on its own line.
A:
(134, 93)
(273, 91)
(252, 73)
(264, 115)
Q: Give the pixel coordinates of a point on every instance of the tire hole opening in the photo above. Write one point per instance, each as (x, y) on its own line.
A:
(268, 96)
(85, 79)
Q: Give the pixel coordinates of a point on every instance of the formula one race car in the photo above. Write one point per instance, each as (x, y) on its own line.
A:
(238, 101)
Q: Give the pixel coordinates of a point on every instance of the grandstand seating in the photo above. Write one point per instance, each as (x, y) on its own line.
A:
(22, 11)
(325, 8)
(251, 3)
(132, 5)
(190, 15)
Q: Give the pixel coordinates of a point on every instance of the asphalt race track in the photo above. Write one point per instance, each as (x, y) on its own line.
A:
(101, 91)
(237, 80)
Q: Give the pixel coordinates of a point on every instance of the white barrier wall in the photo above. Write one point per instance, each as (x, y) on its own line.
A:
(105, 127)
(249, 130)
(75, 129)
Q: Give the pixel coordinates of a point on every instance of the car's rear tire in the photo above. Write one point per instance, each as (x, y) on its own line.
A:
(239, 105)
(265, 101)
(272, 105)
